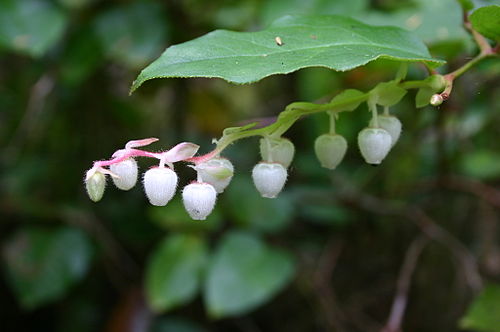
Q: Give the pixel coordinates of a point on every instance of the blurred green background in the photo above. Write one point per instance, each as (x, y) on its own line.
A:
(324, 256)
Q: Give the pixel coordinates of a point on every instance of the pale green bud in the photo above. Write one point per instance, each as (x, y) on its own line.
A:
(330, 149)
(277, 150)
(95, 183)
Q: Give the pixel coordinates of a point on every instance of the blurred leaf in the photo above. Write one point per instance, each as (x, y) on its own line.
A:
(133, 34)
(466, 4)
(75, 4)
(82, 56)
(484, 312)
(174, 324)
(249, 209)
(30, 26)
(43, 264)
(244, 273)
(308, 41)
(326, 214)
(175, 218)
(486, 21)
(433, 21)
(482, 164)
(174, 271)
(274, 9)
(236, 14)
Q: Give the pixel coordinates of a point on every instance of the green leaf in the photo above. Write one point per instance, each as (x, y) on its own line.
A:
(257, 214)
(484, 312)
(486, 21)
(30, 26)
(387, 93)
(174, 272)
(335, 42)
(244, 274)
(349, 99)
(43, 264)
(133, 34)
(423, 97)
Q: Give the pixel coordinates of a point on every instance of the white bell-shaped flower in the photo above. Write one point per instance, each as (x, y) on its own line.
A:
(269, 178)
(126, 171)
(330, 149)
(160, 184)
(392, 125)
(199, 199)
(374, 144)
(217, 171)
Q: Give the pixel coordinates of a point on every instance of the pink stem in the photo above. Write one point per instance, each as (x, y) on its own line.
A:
(205, 157)
(129, 154)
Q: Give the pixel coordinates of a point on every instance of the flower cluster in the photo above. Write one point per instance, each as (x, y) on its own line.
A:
(214, 173)
(160, 183)
(374, 141)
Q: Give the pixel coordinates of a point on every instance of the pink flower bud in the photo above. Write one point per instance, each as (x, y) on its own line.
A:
(160, 184)
(269, 178)
(217, 171)
(126, 171)
(199, 199)
(374, 144)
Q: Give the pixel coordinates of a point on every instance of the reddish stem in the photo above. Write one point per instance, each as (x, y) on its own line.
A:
(128, 154)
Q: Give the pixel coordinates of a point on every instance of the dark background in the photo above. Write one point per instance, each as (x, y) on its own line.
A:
(64, 102)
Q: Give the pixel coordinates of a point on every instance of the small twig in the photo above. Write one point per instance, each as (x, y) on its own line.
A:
(485, 50)
(487, 193)
(36, 103)
(427, 226)
(322, 284)
(403, 285)
(126, 269)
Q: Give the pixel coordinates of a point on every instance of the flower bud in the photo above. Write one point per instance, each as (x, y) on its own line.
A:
(95, 183)
(374, 144)
(436, 99)
(330, 150)
(217, 171)
(269, 178)
(199, 199)
(160, 184)
(277, 150)
(127, 173)
(391, 124)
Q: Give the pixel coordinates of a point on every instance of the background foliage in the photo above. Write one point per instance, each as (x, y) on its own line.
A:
(325, 255)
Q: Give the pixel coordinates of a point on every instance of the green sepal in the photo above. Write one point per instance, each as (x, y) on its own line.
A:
(387, 93)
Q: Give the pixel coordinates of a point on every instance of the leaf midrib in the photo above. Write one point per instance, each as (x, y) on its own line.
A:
(418, 57)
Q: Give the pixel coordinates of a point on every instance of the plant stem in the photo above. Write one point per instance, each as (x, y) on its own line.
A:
(332, 116)
(373, 109)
